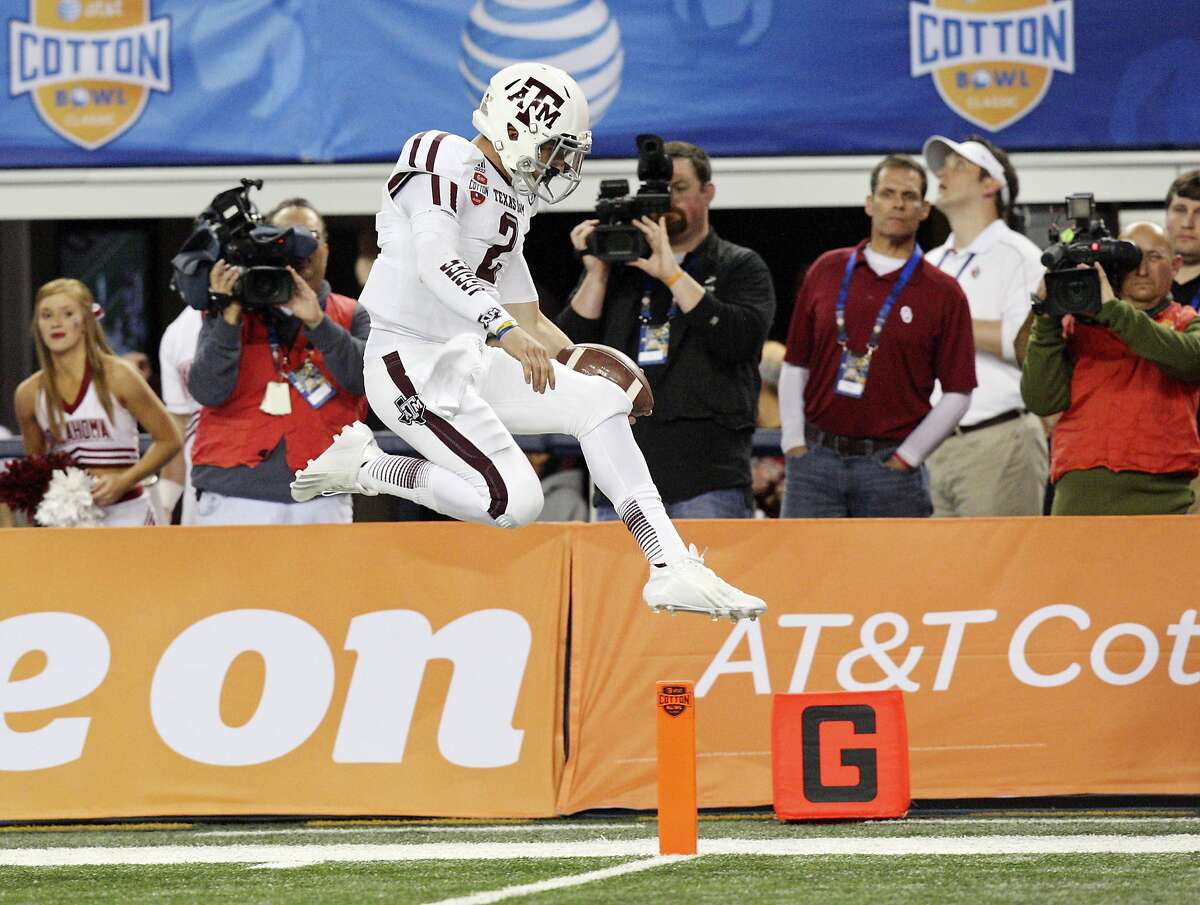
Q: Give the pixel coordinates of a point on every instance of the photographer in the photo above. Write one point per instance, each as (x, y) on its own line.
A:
(694, 315)
(276, 383)
(1125, 380)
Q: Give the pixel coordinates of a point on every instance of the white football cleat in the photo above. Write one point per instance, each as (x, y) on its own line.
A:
(336, 470)
(689, 586)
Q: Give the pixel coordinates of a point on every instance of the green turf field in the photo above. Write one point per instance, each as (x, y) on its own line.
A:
(1132, 857)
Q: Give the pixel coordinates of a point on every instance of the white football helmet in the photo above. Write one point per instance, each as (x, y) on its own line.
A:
(536, 117)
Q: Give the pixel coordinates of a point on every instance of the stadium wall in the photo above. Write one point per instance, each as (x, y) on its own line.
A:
(419, 669)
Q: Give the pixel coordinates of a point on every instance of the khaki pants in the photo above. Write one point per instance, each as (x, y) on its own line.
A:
(995, 471)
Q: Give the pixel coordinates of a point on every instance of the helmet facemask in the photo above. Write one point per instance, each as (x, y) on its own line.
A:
(557, 170)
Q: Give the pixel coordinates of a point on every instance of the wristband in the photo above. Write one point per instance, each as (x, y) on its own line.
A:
(503, 328)
(673, 278)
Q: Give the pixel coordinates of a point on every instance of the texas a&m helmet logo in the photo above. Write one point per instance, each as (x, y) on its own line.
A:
(674, 699)
(89, 64)
(535, 100)
(992, 61)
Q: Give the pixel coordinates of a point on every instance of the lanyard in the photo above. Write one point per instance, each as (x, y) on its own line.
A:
(648, 290)
(961, 270)
(901, 282)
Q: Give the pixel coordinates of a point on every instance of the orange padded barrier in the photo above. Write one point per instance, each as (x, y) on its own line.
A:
(343, 670)
(1037, 656)
(419, 668)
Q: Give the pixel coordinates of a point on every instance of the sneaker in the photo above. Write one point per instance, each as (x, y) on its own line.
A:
(689, 586)
(336, 470)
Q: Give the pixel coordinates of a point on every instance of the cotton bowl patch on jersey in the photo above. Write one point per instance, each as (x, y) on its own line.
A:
(478, 185)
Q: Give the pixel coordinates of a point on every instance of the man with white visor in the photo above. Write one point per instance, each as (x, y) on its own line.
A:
(996, 461)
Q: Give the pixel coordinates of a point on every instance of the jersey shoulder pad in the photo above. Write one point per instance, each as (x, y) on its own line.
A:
(439, 153)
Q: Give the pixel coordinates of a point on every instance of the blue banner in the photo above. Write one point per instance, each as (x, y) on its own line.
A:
(179, 82)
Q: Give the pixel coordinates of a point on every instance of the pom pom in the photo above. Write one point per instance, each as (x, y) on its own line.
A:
(68, 502)
(24, 482)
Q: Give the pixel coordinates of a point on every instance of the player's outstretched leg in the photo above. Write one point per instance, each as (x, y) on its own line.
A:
(679, 579)
(354, 463)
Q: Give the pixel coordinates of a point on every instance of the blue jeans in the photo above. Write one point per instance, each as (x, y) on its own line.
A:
(823, 484)
(729, 502)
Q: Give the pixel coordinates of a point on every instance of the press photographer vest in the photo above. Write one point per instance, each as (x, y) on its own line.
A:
(238, 433)
(1126, 413)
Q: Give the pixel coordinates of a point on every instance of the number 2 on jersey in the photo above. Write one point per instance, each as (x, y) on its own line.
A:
(487, 267)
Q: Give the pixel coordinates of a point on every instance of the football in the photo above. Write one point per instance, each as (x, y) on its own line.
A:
(607, 362)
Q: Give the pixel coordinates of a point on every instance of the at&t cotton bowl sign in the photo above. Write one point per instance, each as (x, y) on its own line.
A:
(991, 60)
(89, 64)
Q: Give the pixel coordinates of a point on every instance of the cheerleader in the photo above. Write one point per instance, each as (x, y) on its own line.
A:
(87, 402)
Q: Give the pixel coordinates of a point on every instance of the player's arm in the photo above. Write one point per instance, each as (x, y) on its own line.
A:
(518, 295)
(529, 318)
(135, 394)
(426, 198)
(25, 404)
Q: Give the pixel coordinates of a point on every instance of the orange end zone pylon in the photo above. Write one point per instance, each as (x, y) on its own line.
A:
(676, 734)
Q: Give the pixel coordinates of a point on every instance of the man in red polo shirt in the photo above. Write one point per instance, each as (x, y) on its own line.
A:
(873, 327)
(1128, 383)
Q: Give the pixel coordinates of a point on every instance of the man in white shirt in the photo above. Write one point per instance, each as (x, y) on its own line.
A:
(996, 461)
(175, 354)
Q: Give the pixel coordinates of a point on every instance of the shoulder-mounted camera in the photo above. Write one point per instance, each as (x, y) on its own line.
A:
(1069, 289)
(232, 228)
(616, 239)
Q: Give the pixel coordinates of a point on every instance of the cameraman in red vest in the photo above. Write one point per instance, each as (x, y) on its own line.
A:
(1128, 384)
(276, 384)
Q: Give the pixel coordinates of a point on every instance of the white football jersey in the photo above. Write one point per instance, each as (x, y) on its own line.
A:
(92, 439)
(175, 354)
(451, 233)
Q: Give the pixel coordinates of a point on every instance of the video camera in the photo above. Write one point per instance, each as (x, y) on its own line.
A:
(616, 239)
(1069, 289)
(232, 228)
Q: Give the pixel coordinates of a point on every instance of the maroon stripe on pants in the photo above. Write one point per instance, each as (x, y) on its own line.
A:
(454, 197)
(437, 189)
(457, 443)
(433, 151)
(416, 141)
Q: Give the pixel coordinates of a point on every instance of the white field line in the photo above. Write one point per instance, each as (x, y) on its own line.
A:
(300, 855)
(653, 760)
(508, 892)
(963, 821)
(650, 826)
(979, 747)
(482, 828)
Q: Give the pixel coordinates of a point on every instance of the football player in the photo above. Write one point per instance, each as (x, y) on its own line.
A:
(451, 275)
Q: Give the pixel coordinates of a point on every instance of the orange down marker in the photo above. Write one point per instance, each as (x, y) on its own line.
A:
(676, 732)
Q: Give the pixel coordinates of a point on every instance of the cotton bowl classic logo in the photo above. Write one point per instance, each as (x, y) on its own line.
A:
(90, 64)
(674, 699)
(991, 60)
